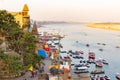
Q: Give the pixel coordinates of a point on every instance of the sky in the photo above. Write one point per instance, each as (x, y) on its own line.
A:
(68, 10)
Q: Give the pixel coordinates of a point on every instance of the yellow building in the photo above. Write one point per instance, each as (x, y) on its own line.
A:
(22, 17)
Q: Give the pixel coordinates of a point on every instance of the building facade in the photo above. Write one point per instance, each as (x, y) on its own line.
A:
(22, 17)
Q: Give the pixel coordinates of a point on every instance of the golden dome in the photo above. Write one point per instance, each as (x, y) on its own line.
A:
(25, 8)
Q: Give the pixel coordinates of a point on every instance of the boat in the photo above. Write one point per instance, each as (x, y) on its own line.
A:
(97, 72)
(99, 77)
(72, 64)
(87, 45)
(84, 63)
(91, 61)
(100, 49)
(79, 52)
(49, 42)
(91, 55)
(70, 51)
(117, 46)
(82, 69)
(78, 65)
(78, 57)
(98, 64)
(66, 57)
(117, 75)
(63, 51)
(105, 62)
(106, 77)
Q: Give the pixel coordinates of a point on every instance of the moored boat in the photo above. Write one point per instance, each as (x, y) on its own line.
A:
(117, 46)
(106, 77)
(82, 69)
(105, 62)
(79, 52)
(117, 75)
(100, 49)
(97, 72)
(98, 64)
(91, 61)
(91, 55)
(99, 77)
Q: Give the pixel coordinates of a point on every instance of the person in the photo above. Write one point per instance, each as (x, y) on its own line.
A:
(35, 73)
(69, 75)
(42, 69)
(32, 74)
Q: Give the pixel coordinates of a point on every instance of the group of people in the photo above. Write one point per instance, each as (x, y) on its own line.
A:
(34, 72)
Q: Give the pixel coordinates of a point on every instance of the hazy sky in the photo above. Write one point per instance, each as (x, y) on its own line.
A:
(68, 10)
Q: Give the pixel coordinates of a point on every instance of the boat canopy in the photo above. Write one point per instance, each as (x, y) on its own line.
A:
(82, 68)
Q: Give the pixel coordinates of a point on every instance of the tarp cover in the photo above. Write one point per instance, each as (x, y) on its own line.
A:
(42, 53)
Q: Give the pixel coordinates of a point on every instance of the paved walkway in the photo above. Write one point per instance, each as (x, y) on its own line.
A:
(47, 63)
(27, 76)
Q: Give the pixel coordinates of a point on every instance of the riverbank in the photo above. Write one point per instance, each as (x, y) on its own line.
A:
(108, 26)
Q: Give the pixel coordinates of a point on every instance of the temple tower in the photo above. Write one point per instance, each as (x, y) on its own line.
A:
(25, 18)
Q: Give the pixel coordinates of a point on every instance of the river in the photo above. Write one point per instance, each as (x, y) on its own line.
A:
(86, 35)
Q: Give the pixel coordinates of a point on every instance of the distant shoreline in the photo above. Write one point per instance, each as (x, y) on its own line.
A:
(108, 26)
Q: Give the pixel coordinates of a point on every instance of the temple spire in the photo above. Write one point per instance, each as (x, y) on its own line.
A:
(34, 29)
(25, 8)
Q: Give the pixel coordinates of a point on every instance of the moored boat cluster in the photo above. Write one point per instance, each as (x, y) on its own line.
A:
(78, 63)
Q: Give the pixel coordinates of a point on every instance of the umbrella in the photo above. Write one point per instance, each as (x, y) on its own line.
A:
(42, 53)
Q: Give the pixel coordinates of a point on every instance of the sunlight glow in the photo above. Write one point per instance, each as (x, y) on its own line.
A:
(68, 10)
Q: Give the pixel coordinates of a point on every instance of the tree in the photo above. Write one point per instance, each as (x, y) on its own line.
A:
(8, 26)
(17, 40)
(7, 22)
(32, 59)
(13, 63)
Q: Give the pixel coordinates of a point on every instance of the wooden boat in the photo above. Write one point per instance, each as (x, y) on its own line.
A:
(72, 64)
(100, 49)
(98, 64)
(78, 65)
(91, 61)
(82, 69)
(103, 78)
(63, 51)
(78, 57)
(97, 72)
(87, 45)
(104, 62)
(117, 75)
(106, 77)
(70, 51)
(79, 52)
(93, 77)
(117, 46)
(66, 57)
(91, 55)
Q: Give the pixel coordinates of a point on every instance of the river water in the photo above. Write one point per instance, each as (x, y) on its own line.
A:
(78, 35)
